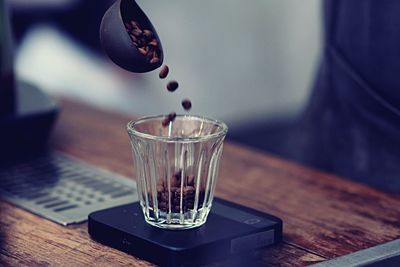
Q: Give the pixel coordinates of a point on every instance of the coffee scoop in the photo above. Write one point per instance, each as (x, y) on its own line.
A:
(129, 38)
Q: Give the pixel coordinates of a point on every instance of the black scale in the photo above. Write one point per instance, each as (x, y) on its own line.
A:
(230, 229)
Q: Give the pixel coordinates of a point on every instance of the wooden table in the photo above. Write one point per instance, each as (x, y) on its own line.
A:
(324, 216)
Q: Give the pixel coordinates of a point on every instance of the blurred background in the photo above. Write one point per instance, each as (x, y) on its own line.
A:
(250, 65)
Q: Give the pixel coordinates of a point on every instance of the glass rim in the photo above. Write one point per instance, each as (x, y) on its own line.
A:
(222, 132)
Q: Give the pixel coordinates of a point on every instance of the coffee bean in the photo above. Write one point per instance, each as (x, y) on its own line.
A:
(189, 189)
(172, 117)
(148, 34)
(160, 182)
(174, 182)
(160, 188)
(154, 60)
(172, 86)
(142, 51)
(156, 54)
(128, 26)
(186, 104)
(133, 37)
(153, 42)
(163, 72)
(150, 53)
(190, 180)
(178, 175)
(137, 32)
(138, 44)
(174, 189)
(165, 122)
(163, 207)
(134, 24)
(169, 118)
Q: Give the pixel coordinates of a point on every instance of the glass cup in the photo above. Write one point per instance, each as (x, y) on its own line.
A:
(176, 168)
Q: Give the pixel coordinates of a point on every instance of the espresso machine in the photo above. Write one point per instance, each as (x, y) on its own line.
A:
(26, 113)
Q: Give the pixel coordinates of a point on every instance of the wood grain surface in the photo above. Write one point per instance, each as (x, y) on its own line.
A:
(324, 216)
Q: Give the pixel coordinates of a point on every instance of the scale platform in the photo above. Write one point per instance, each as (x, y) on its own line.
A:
(230, 229)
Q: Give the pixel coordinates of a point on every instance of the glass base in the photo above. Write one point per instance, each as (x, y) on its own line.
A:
(176, 221)
(176, 226)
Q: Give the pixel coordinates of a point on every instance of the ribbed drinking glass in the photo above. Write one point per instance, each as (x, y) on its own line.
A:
(176, 168)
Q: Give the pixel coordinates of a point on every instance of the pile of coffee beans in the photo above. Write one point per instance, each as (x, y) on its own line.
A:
(188, 193)
(144, 41)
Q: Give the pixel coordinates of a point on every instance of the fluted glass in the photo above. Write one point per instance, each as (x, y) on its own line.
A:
(176, 168)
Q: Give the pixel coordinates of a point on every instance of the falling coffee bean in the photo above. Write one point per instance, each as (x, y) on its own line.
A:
(172, 86)
(164, 72)
(169, 118)
(172, 116)
(186, 104)
(165, 122)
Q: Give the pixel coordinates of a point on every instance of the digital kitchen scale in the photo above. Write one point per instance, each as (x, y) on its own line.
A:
(230, 229)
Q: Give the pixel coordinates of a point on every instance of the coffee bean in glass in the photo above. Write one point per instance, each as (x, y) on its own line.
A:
(172, 86)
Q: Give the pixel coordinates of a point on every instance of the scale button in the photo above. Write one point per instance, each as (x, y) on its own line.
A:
(252, 221)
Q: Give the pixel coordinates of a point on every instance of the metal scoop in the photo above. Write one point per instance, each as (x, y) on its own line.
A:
(117, 41)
